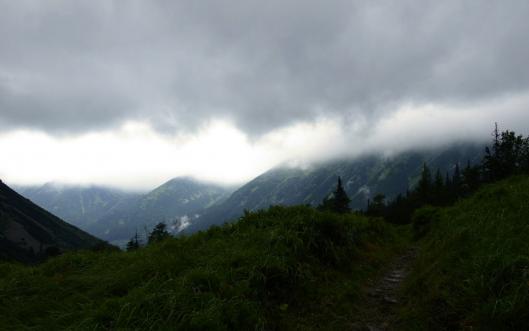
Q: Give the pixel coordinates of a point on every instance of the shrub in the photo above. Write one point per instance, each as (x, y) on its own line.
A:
(423, 219)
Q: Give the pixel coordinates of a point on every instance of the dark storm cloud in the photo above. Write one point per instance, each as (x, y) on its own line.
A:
(80, 65)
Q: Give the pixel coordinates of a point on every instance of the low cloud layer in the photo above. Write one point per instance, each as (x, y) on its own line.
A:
(135, 156)
(78, 66)
(131, 93)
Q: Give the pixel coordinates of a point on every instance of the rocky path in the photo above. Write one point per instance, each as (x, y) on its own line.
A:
(382, 296)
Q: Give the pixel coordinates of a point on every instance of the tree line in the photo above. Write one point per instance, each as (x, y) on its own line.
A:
(507, 156)
(158, 233)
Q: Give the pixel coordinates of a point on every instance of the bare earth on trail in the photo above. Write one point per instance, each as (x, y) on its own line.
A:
(382, 295)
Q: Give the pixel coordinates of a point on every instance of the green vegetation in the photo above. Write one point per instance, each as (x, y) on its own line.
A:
(362, 178)
(159, 233)
(473, 270)
(133, 243)
(507, 156)
(286, 268)
(301, 268)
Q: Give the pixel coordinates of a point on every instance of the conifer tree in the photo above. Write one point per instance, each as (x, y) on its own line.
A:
(133, 243)
(424, 188)
(506, 157)
(159, 233)
(456, 178)
(341, 200)
(448, 181)
(471, 178)
(338, 202)
(491, 159)
(439, 188)
(525, 156)
(438, 182)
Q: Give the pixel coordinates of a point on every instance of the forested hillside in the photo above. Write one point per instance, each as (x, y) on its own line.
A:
(363, 178)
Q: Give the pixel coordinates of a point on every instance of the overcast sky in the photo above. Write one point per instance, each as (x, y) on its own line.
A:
(131, 93)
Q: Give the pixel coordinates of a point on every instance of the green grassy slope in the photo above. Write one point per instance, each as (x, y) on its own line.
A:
(473, 271)
(286, 268)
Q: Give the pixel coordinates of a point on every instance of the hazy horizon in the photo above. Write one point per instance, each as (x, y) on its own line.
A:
(132, 94)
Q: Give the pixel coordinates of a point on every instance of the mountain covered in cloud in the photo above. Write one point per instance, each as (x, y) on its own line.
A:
(29, 233)
(189, 205)
(363, 178)
(116, 215)
(175, 202)
(249, 84)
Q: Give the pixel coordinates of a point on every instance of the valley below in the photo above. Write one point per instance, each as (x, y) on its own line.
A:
(188, 205)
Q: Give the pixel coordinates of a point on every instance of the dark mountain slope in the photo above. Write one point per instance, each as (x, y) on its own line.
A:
(175, 202)
(362, 179)
(115, 215)
(28, 232)
(78, 205)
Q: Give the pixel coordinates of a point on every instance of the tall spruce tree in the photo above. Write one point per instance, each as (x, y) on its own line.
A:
(341, 199)
(338, 202)
(424, 188)
(439, 188)
(507, 156)
(439, 181)
(471, 178)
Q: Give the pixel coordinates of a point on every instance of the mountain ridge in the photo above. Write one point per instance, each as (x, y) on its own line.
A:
(362, 178)
(189, 204)
(116, 215)
(29, 233)
(173, 202)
